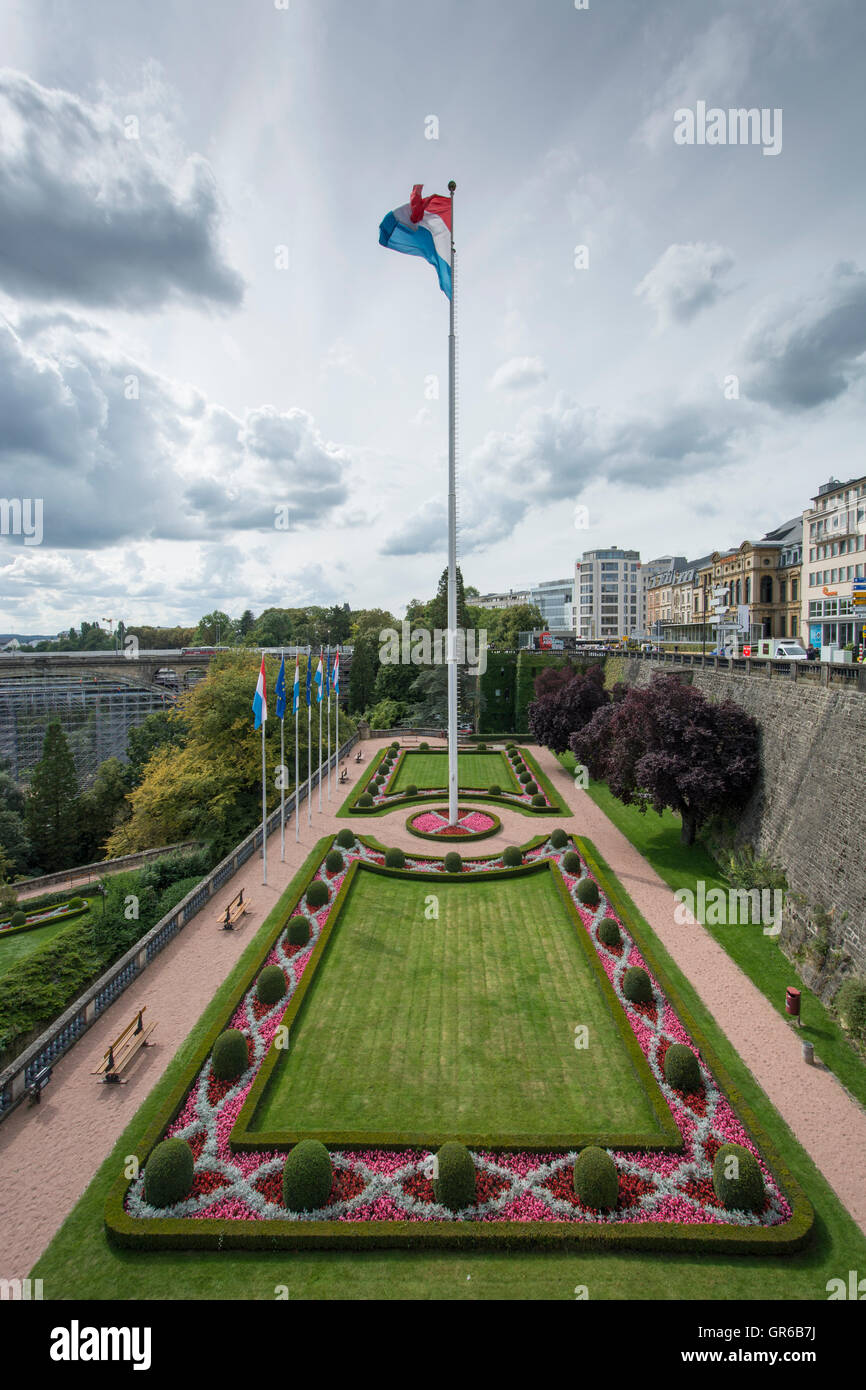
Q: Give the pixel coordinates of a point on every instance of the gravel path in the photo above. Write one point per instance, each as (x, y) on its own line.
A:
(48, 1154)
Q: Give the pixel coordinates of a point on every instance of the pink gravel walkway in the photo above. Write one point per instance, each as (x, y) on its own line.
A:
(81, 1120)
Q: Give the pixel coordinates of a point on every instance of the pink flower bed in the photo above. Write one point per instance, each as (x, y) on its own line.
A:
(434, 823)
(383, 1185)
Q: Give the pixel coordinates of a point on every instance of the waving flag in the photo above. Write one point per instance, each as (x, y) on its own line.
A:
(296, 688)
(328, 675)
(281, 690)
(422, 227)
(260, 699)
(319, 680)
(309, 678)
(337, 674)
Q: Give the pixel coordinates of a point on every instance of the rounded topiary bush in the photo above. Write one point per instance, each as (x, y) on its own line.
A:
(271, 985)
(365, 799)
(681, 1069)
(378, 780)
(168, 1173)
(394, 858)
(454, 1186)
(587, 892)
(307, 1176)
(411, 790)
(453, 862)
(525, 777)
(538, 800)
(395, 745)
(317, 893)
(75, 902)
(494, 789)
(423, 747)
(558, 838)
(334, 863)
(482, 748)
(609, 933)
(596, 1181)
(299, 931)
(230, 1057)
(530, 787)
(637, 986)
(737, 1179)
(18, 919)
(510, 746)
(512, 857)
(571, 862)
(345, 839)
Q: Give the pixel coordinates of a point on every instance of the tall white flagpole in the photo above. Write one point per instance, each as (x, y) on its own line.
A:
(297, 786)
(452, 546)
(328, 669)
(264, 811)
(320, 733)
(337, 731)
(309, 750)
(283, 763)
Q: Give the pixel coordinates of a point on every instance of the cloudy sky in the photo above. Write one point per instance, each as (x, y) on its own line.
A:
(200, 335)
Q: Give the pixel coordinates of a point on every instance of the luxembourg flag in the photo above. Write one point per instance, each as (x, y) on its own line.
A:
(318, 679)
(260, 699)
(336, 682)
(422, 227)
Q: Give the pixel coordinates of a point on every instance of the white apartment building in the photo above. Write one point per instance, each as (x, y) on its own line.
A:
(834, 554)
(608, 595)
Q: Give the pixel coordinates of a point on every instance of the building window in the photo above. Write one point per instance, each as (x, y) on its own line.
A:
(766, 589)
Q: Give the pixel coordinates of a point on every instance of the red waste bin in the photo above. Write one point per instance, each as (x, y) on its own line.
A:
(792, 1002)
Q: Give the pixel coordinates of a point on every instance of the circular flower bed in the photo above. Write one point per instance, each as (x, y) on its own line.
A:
(471, 825)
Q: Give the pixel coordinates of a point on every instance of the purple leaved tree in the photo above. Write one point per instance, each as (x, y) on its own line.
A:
(554, 717)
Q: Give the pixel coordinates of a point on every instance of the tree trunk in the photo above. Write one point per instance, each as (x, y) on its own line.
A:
(689, 828)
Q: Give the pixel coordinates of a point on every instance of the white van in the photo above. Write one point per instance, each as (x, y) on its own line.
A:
(780, 649)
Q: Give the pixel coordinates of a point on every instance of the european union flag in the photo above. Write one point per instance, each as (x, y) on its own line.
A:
(281, 690)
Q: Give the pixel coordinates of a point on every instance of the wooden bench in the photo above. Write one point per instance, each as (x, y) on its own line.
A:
(38, 1084)
(124, 1048)
(233, 913)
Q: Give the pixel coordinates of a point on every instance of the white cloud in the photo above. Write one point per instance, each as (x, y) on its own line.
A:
(518, 374)
(684, 280)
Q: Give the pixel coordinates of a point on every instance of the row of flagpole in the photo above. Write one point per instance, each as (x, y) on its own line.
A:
(325, 681)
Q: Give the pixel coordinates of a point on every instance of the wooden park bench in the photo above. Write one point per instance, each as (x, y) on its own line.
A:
(124, 1048)
(38, 1084)
(233, 913)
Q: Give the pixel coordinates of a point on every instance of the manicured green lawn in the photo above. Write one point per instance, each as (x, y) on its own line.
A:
(657, 838)
(20, 945)
(479, 770)
(462, 1025)
(80, 1264)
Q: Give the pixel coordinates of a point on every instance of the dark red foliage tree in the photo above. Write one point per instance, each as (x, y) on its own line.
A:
(666, 745)
(554, 718)
(552, 679)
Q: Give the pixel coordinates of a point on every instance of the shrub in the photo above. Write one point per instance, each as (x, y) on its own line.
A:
(378, 780)
(365, 799)
(76, 902)
(525, 777)
(424, 747)
(587, 892)
(172, 896)
(394, 744)
(394, 858)
(482, 748)
(596, 1181)
(229, 1058)
(682, 1070)
(538, 800)
(558, 838)
(453, 862)
(411, 790)
(271, 985)
(637, 986)
(571, 862)
(168, 1173)
(494, 789)
(454, 1186)
(334, 862)
(307, 1176)
(512, 857)
(609, 933)
(530, 788)
(345, 839)
(317, 893)
(299, 931)
(18, 919)
(745, 1192)
(511, 745)
(851, 1006)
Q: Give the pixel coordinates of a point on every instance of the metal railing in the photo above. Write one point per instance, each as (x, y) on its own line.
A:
(66, 1030)
(850, 675)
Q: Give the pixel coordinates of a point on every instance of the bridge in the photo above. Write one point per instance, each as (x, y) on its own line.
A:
(173, 668)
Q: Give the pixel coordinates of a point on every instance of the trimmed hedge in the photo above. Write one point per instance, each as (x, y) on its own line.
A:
(394, 858)
(454, 1185)
(317, 893)
(530, 788)
(18, 919)
(538, 800)
(682, 1070)
(494, 790)
(334, 862)
(512, 857)
(230, 1057)
(308, 1176)
(571, 862)
(299, 931)
(587, 892)
(271, 985)
(525, 777)
(168, 1173)
(365, 799)
(452, 862)
(596, 1181)
(423, 747)
(637, 985)
(745, 1191)
(345, 839)
(558, 838)
(411, 790)
(609, 933)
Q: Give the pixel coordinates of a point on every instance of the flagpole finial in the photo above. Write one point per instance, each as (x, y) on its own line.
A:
(451, 187)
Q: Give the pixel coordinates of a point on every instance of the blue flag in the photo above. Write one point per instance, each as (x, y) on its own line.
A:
(328, 674)
(296, 688)
(281, 690)
(309, 678)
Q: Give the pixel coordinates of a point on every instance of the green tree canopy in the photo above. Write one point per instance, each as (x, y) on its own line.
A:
(52, 805)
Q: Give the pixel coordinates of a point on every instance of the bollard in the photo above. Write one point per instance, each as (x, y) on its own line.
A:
(809, 1053)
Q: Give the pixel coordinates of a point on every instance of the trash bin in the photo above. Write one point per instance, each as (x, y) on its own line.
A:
(809, 1053)
(792, 1002)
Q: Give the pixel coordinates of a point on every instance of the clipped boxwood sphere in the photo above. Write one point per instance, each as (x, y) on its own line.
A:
(538, 800)
(609, 933)
(76, 902)
(299, 931)
(455, 1185)
(511, 745)
(395, 745)
(424, 747)
(681, 1069)
(378, 781)
(531, 787)
(394, 858)
(307, 1176)
(411, 790)
(525, 777)
(345, 839)
(558, 838)
(512, 857)
(637, 985)
(453, 862)
(18, 919)
(587, 892)
(271, 985)
(482, 748)
(334, 862)
(744, 1190)
(571, 862)
(168, 1173)
(229, 1058)
(494, 789)
(596, 1181)
(317, 893)
(365, 799)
